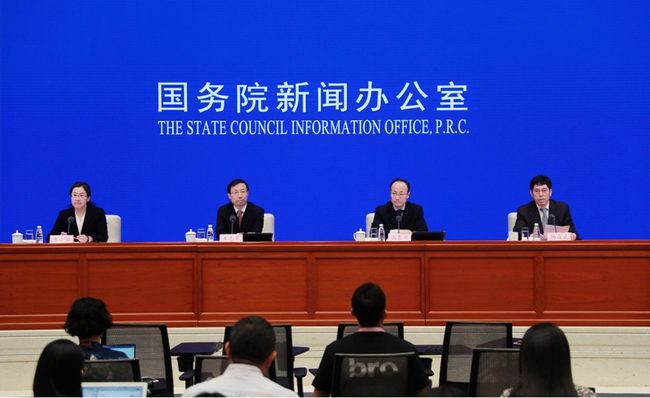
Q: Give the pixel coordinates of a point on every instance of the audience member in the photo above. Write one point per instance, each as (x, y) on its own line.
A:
(251, 350)
(545, 365)
(88, 319)
(59, 370)
(369, 307)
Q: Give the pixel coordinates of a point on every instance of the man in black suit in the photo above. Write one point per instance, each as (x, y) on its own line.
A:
(412, 214)
(540, 209)
(248, 216)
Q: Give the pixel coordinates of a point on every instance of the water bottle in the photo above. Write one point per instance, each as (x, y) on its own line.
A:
(210, 233)
(39, 234)
(382, 233)
(536, 233)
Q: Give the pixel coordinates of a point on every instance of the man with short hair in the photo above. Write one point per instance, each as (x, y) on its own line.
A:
(247, 216)
(412, 214)
(369, 307)
(251, 350)
(539, 210)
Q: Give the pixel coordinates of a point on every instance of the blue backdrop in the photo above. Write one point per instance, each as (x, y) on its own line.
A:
(319, 105)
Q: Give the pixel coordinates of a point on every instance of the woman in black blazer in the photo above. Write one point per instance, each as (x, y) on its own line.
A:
(83, 215)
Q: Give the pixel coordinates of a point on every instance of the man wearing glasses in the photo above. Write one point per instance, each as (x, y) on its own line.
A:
(412, 215)
(247, 216)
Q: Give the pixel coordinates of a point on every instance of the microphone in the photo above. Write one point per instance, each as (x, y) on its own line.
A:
(70, 221)
(551, 217)
(232, 224)
(399, 221)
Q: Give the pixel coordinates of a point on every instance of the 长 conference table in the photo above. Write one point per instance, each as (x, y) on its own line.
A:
(583, 283)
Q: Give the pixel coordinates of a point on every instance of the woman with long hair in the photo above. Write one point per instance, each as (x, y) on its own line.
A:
(545, 365)
(59, 370)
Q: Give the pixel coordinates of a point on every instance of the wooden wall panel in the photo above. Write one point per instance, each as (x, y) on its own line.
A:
(494, 287)
(606, 284)
(598, 283)
(259, 285)
(399, 274)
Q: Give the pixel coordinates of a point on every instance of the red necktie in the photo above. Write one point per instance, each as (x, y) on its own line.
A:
(239, 214)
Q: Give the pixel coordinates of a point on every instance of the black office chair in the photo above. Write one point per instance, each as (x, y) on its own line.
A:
(346, 329)
(460, 339)
(282, 370)
(209, 366)
(112, 370)
(153, 352)
(493, 370)
(394, 328)
(373, 375)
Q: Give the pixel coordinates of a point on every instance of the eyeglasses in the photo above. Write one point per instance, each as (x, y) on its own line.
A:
(237, 192)
(398, 194)
(74, 195)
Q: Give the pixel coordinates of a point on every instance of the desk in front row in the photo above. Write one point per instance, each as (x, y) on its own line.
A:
(586, 283)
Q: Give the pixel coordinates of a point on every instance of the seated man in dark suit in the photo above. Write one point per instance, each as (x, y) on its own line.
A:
(412, 214)
(539, 210)
(369, 307)
(248, 216)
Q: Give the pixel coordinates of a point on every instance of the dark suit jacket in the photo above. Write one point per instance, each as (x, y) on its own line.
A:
(528, 215)
(413, 217)
(94, 224)
(253, 220)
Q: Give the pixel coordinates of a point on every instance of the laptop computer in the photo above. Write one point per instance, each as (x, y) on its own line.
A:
(114, 389)
(128, 349)
(428, 235)
(258, 237)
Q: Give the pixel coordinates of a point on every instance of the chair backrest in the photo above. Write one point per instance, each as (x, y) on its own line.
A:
(209, 366)
(373, 375)
(112, 370)
(370, 217)
(512, 218)
(460, 339)
(493, 370)
(152, 349)
(269, 224)
(114, 225)
(394, 328)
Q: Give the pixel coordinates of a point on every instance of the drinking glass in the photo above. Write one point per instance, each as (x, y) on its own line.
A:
(372, 233)
(524, 233)
(200, 233)
(29, 234)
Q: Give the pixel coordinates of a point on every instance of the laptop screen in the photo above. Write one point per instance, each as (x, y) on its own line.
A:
(114, 389)
(128, 349)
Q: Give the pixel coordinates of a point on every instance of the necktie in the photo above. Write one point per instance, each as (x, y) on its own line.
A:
(239, 214)
(544, 219)
(400, 212)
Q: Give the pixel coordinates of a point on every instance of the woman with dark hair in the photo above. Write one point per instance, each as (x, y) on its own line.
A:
(545, 366)
(59, 370)
(82, 216)
(88, 319)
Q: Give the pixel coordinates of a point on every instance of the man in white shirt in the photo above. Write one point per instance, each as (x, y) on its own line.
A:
(540, 209)
(251, 350)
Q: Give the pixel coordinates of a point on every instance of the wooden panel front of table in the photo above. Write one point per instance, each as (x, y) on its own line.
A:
(588, 283)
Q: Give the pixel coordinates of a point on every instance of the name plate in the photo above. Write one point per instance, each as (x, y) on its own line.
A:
(231, 238)
(558, 236)
(61, 239)
(399, 237)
